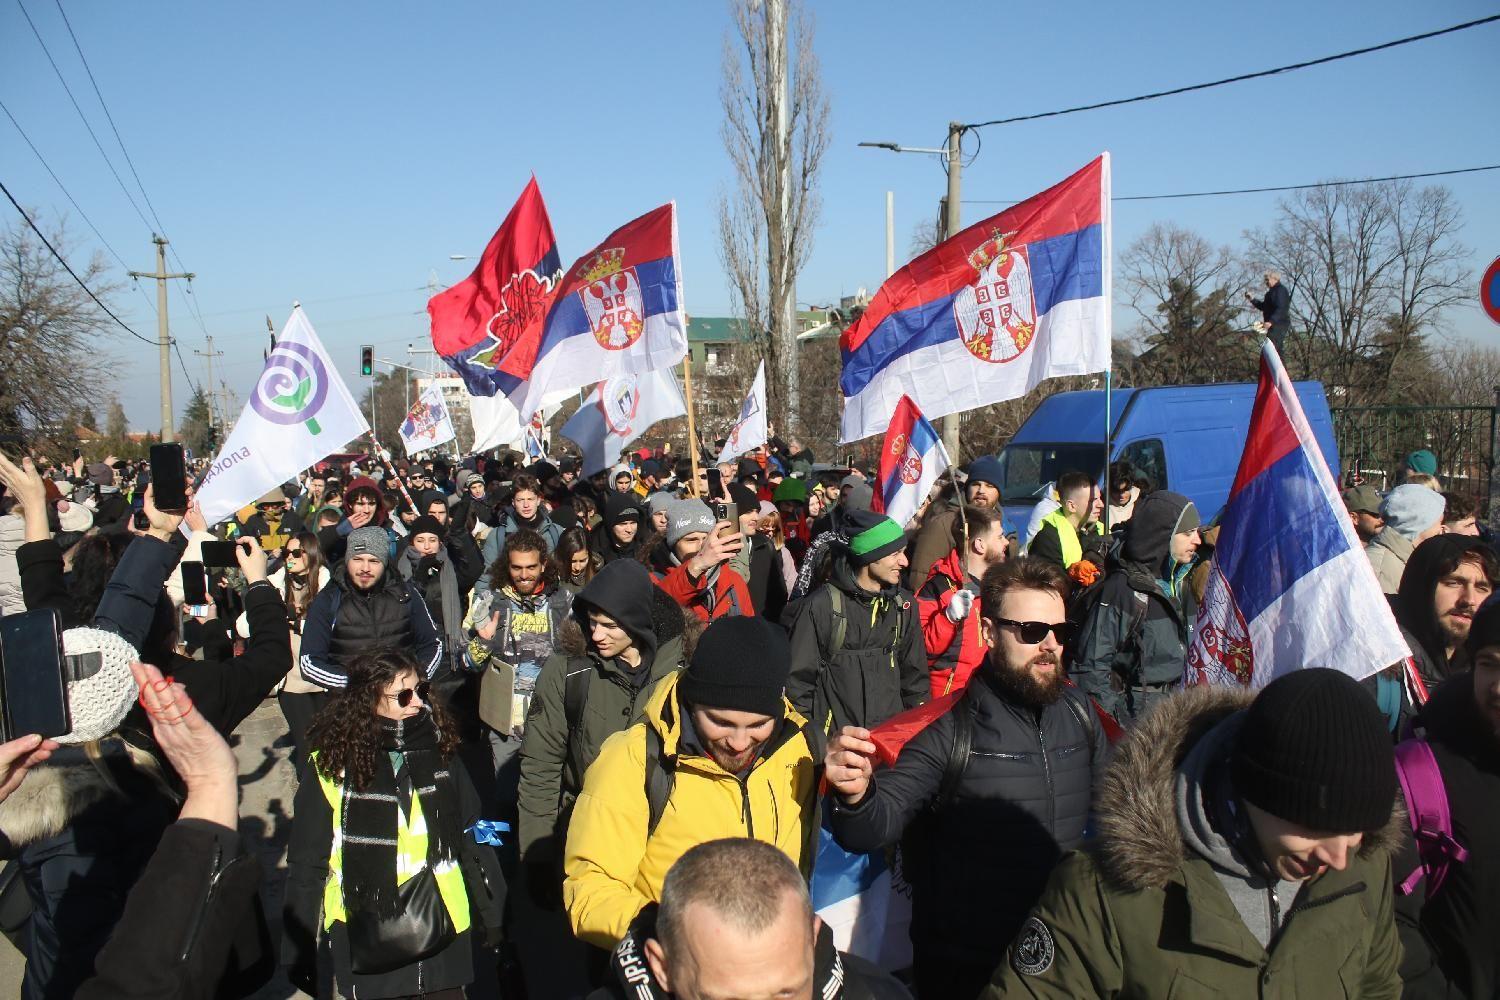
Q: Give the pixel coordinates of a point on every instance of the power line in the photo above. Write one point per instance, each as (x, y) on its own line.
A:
(1262, 190)
(84, 118)
(63, 261)
(1242, 77)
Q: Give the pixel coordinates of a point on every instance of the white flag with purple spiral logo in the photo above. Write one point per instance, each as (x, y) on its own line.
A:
(299, 413)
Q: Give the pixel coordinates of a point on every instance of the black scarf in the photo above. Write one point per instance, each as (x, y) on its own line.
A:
(372, 816)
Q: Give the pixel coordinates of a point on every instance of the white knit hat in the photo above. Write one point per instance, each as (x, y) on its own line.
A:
(97, 703)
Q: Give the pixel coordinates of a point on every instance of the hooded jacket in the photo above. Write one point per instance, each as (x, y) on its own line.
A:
(978, 861)
(557, 751)
(879, 669)
(615, 866)
(1450, 940)
(1136, 632)
(618, 507)
(836, 976)
(1148, 911)
(1413, 605)
(954, 649)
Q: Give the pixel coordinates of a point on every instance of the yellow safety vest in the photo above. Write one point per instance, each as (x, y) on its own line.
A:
(1072, 550)
(411, 858)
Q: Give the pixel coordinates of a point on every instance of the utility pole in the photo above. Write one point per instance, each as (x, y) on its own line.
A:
(782, 279)
(951, 226)
(163, 341)
(216, 418)
(890, 233)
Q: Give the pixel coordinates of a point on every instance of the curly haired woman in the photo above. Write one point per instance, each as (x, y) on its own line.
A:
(382, 840)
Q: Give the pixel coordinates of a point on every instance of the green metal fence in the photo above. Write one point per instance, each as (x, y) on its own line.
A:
(1375, 440)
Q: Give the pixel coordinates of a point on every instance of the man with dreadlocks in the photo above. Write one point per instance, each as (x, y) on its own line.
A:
(857, 652)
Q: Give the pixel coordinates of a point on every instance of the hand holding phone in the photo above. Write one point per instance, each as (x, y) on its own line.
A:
(31, 675)
(169, 478)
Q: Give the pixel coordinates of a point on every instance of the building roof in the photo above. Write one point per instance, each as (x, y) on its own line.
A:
(729, 329)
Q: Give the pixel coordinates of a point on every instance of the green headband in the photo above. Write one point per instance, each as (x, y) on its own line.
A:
(884, 533)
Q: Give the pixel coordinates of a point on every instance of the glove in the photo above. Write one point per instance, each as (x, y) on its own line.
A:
(544, 883)
(959, 605)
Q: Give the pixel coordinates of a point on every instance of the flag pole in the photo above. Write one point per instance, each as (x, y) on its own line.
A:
(687, 391)
(384, 454)
(1109, 433)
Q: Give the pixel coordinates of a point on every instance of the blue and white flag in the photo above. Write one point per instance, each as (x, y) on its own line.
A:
(1289, 585)
(618, 411)
(750, 429)
(865, 900)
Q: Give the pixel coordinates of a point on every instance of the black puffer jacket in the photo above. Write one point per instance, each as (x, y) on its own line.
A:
(879, 668)
(1450, 940)
(1023, 801)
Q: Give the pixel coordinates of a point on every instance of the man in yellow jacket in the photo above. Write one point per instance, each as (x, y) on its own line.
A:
(720, 753)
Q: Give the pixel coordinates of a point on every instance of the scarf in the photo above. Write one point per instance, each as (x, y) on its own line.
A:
(454, 639)
(372, 816)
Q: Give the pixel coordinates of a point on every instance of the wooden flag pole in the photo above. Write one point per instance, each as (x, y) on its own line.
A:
(687, 391)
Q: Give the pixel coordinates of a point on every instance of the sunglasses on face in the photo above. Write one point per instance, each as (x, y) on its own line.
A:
(404, 696)
(1032, 633)
(293, 552)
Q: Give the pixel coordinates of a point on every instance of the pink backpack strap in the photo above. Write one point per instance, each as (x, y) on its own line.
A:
(1427, 811)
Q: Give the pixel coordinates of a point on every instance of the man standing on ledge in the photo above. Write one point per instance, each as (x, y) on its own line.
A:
(1275, 308)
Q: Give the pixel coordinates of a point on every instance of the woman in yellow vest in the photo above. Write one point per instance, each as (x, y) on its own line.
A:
(387, 885)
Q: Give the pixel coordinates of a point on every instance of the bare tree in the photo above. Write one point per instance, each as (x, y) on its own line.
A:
(775, 132)
(53, 336)
(1189, 329)
(925, 235)
(1371, 269)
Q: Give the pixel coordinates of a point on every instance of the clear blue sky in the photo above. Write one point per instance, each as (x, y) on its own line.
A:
(338, 153)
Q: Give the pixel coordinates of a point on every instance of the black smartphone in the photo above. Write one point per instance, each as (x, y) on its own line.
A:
(849, 459)
(715, 482)
(31, 675)
(141, 521)
(77, 454)
(169, 478)
(219, 554)
(194, 583)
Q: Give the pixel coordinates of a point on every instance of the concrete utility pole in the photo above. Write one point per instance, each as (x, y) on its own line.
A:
(890, 233)
(162, 339)
(951, 226)
(779, 258)
(216, 418)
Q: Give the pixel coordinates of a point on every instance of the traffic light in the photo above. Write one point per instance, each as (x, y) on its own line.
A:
(367, 360)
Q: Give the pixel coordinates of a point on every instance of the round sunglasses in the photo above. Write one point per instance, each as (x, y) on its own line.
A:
(404, 696)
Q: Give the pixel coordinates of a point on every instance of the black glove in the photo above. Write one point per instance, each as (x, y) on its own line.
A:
(544, 883)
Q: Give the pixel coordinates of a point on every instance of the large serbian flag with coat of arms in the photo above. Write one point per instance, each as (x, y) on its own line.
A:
(988, 314)
(1289, 585)
(618, 309)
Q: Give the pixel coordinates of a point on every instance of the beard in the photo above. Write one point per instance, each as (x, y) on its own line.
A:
(1023, 687)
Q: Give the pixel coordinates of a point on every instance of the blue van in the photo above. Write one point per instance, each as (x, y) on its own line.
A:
(1185, 438)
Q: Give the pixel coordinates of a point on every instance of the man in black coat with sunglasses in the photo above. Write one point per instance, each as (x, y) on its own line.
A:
(990, 795)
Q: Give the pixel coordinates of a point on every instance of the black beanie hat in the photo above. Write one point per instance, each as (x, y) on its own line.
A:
(741, 664)
(426, 524)
(1315, 751)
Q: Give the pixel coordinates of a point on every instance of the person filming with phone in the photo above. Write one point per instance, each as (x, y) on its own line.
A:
(697, 574)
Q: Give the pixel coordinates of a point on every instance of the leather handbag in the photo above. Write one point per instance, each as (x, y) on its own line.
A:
(497, 696)
(419, 928)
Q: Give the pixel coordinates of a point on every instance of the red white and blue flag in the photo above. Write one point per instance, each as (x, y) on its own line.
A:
(988, 314)
(487, 327)
(1289, 585)
(618, 309)
(911, 459)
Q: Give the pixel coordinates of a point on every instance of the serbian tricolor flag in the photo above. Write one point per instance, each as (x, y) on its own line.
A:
(987, 315)
(911, 459)
(488, 326)
(618, 309)
(1289, 585)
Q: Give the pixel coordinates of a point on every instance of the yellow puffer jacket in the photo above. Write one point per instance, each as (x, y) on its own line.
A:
(614, 868)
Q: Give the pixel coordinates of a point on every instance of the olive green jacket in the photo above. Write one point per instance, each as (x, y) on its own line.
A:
(1140, 915)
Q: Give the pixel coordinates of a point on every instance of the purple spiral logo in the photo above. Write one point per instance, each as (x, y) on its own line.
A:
(292, 387)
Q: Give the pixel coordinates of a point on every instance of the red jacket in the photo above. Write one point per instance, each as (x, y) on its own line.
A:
(954, 650)
(731, 595)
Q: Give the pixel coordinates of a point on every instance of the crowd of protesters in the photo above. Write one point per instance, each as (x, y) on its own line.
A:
(567, 735)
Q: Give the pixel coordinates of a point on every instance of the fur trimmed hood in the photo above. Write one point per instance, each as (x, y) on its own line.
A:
(1140, 845)
(58, 791)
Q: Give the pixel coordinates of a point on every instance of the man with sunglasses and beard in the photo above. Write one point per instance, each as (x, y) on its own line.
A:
(990, 795)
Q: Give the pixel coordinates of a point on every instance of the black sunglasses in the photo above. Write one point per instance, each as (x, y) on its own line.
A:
(1032, 633)
(403, 697)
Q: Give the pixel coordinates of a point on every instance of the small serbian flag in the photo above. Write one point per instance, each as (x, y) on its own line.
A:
(987, 315)
(487, 327)
(1289, 585)
(618, 309)
(911, 460)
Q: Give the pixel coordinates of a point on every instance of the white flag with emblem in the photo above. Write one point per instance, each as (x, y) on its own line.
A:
(299, 413)
(749, 431)
(619, 410)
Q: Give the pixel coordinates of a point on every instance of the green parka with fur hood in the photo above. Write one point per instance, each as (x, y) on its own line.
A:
(1143, 914)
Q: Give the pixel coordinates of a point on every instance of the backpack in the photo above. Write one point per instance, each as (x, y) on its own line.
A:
(841, 622)
(1082, 603)
(963, 741)
(1427, 811)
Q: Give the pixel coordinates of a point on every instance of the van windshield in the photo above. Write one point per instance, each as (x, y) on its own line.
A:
(1028, 468)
